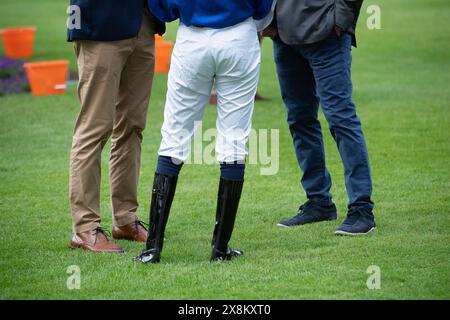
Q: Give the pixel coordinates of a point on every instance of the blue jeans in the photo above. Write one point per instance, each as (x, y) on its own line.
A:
(320, 72)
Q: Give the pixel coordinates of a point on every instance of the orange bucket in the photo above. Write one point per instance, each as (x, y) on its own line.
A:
(47, 77)
(18, 42)
(163, 50)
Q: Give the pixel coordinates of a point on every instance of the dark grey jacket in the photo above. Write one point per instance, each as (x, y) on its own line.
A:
(310, 21)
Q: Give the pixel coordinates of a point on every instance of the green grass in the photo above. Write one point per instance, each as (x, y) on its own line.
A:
(401, 78)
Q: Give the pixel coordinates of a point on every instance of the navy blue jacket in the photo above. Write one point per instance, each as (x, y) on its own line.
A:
(106, 20)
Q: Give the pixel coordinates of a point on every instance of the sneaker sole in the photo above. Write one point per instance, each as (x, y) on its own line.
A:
(282, 225)
(344, 233)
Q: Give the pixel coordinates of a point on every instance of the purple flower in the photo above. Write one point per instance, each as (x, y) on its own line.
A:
(13, 78)
(9, 63)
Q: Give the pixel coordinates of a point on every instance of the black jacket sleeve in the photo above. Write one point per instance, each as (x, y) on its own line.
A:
(346, 13)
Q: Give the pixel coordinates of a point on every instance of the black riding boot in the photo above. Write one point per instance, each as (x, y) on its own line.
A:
(227, 206)
(163, 191)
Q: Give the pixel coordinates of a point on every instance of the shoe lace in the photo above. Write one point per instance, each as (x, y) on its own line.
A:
(303, 207)
(106, 233)
(142, 224)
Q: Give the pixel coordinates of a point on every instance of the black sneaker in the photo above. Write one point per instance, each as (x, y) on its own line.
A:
(358, 222)
(309, 213)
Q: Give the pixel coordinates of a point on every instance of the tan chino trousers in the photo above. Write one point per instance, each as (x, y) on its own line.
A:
(114, 91)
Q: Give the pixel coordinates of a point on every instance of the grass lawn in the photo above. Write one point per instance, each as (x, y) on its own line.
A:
(401, 80)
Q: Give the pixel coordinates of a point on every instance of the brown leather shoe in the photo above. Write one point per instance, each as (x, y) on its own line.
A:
(134, 231)
(95, 241)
